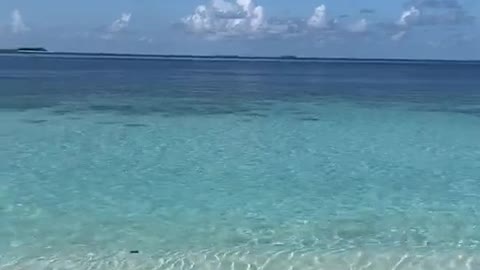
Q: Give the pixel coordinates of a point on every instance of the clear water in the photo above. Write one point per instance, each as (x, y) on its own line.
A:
(238, 165)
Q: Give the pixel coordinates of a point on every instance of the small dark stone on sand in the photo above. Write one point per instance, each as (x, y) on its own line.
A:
(312, 119)
(34, 121)
(135, 125)
(134, 251)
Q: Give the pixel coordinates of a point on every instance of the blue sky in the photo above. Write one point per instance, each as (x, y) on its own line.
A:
(447, 29)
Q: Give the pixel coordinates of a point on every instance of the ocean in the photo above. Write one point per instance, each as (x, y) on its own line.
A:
(242, 165)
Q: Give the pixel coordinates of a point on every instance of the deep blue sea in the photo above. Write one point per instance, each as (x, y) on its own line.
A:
(150, 164)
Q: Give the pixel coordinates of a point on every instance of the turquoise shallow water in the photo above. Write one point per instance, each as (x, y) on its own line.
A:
(206, 181)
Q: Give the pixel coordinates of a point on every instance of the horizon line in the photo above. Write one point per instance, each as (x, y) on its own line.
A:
(43, 52)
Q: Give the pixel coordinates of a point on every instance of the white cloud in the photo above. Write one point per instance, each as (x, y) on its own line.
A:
(224, 6)
(409, 17)
(447, 4)
(223, 17)
(224, 9)
(319, 18)
(360, 26)
(399, 36)
(200, 21)
(245, 19)
(435, 12)
(117, 26)
(258, 19)
(121, 23)
(17, 24)
(431, 13)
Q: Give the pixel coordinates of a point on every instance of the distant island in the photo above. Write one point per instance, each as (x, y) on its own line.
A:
(40, 51)
(25, 50)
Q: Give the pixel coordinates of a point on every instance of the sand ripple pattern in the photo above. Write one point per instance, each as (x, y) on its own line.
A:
(238, 259)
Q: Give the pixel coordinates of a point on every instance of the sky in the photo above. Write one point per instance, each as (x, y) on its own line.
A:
(425, 29)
